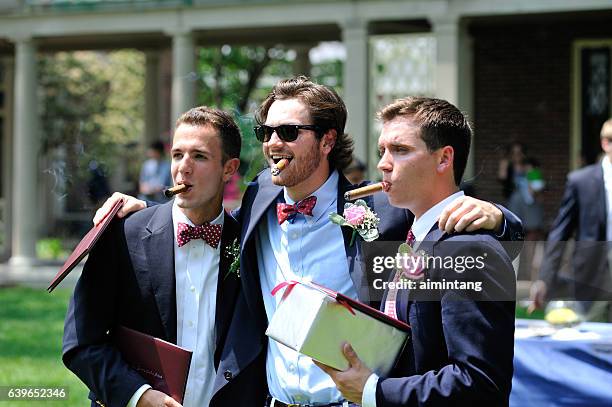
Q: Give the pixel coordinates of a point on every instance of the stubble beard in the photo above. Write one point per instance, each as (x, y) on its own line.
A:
(300, 169)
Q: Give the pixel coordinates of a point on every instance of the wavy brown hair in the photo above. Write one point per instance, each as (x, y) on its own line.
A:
(326, 109)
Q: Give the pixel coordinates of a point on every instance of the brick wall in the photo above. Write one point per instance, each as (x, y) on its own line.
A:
(522, 92)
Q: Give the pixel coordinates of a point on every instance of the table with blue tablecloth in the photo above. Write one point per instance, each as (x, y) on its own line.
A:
(566, 367)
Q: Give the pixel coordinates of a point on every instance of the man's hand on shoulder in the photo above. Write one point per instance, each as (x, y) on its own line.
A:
(154, 398)
(469, 214)
(130, 205)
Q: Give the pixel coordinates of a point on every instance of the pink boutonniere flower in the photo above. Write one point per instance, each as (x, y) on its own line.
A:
(412, 265)
(359, 217)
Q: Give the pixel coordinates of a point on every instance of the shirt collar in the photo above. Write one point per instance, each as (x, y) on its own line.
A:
(327, 195)
(179, 216)
(606, 165)
(422, 225)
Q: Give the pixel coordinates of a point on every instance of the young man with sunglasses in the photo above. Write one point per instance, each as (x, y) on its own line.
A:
(286, 234)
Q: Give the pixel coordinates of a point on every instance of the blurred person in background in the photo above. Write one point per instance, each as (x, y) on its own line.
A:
(355, 172)
(526, 203)
(511, 169)
(586, 214)
(154, 174)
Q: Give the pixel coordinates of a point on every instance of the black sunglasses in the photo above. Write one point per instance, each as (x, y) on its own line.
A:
(285, 132)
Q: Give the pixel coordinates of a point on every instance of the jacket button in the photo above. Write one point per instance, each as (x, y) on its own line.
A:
(228, 375)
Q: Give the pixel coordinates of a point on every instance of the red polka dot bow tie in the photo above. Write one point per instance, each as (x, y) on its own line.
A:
(211, 234)
(286, 211)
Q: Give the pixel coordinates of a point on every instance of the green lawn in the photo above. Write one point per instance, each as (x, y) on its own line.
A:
(31, 327)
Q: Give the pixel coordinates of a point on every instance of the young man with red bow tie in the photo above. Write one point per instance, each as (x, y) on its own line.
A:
(165, 272)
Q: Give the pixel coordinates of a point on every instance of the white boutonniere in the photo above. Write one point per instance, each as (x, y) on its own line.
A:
(232, 252)
(359, 217)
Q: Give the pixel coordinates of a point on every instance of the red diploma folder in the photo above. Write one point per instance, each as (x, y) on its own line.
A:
(164, 366)
(85, 246)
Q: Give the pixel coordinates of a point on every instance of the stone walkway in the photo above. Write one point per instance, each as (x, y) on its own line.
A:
(38, 276)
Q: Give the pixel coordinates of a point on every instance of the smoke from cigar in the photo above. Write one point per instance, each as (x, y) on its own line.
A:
(279, 166)
(364, 191)
(177, 189)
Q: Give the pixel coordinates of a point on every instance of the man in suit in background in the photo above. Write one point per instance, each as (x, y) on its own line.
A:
(163, 272)
(460, 349)
(586, 210)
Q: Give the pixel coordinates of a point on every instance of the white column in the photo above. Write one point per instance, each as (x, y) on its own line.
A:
(446, 32)
(356, 85)
(184, 76)
(301, 64)
(7, 154)
(454, 70)
(25, 155)
(151, 91)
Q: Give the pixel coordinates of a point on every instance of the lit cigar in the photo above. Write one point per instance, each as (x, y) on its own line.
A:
(177, 189)
(279, 166)
(364, 191)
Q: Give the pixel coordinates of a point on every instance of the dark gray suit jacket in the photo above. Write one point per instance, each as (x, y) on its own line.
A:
(129, 280)
(461, 348)
(582, 214)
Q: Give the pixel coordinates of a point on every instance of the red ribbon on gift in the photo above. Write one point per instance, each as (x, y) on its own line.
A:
(292, 283)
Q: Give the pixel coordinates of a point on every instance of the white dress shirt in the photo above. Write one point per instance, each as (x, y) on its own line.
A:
(420, 229)
(311, 248)
(196, 269)
(607, 176)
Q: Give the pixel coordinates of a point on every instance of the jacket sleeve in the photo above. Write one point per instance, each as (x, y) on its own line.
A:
(512, 234)
(562, 229)
(87, 349)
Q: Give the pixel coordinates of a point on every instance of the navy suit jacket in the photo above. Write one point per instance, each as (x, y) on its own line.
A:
(582, 214)
(129, 280)
(242, 371)
(461, 348)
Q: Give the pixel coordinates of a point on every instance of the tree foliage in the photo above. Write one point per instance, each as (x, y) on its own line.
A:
(91, 106)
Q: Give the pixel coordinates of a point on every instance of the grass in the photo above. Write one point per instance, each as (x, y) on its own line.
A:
(31, 328)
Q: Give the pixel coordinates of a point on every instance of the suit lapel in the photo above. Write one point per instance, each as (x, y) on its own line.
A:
(265, 195)
(352, 252)
(158, 244)
(427, 246)
(227, 284)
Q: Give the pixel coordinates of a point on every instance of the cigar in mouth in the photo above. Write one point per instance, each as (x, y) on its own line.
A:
(364, 191)
(177, 189)
(279, 166)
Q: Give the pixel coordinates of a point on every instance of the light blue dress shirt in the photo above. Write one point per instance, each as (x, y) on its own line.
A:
(311, 248)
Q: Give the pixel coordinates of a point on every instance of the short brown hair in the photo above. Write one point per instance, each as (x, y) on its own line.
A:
(326, 109)
(441, 124)
(606, 129)
(229, 132)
